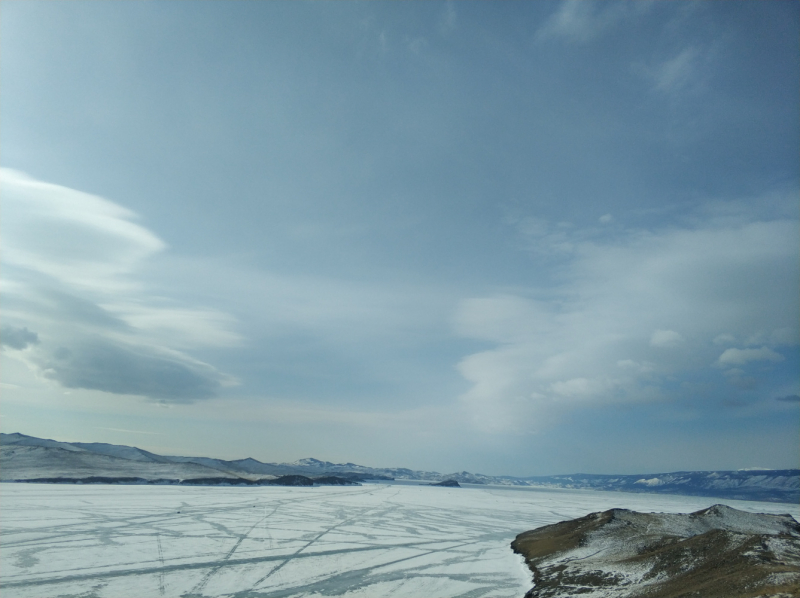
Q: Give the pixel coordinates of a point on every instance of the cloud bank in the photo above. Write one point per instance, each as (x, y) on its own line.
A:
(77, 307)
(632, 316)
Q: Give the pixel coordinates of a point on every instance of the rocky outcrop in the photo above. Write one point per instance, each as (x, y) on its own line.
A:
(718, 552)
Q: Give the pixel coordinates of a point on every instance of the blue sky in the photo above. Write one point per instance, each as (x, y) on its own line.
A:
(514, 238)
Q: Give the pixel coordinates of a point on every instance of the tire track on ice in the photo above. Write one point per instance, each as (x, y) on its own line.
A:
(298, 552)
(197, 565)
(161, 561)
(202, 583)
(345, 579)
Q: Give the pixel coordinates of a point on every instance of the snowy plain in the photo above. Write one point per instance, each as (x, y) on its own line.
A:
(386, 539)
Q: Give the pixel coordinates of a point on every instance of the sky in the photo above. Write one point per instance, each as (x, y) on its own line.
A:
(520, 238)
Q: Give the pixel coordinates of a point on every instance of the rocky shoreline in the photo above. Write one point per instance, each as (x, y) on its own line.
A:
(719, 552)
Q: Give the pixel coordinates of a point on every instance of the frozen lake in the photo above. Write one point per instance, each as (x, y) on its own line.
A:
(373, 540)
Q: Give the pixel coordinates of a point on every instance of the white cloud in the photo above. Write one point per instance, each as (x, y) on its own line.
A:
(186, 327)
(504, 318)
(580, 388)
(735, 356)
(665, 338)
(68, 258)
(606, 218)
(74, 237)
(600, 334)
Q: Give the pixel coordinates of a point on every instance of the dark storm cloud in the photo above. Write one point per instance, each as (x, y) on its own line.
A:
(17, 338)
(102, 365)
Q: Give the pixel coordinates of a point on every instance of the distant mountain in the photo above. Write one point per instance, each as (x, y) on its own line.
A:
(780, 485)
(27, 457)
(25, 462)
(22, 440)
(123, 452)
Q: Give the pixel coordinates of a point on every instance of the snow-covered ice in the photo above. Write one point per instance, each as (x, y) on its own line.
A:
(372, 540)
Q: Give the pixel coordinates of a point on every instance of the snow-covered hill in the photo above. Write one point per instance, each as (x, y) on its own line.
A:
(23, 440)
(123, 452)
(26, 462)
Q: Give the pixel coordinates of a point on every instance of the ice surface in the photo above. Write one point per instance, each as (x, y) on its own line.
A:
(374, 540)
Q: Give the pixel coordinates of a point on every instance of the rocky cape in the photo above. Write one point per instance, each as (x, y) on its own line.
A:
(26, 457)
(717, 552)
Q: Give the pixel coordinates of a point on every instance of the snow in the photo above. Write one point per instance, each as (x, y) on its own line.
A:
(373, 540)
(123, 452)
(650, 482)
(23, 440)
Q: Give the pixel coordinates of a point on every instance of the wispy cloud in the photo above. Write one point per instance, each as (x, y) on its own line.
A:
(676, 72)
(579, 21)
(449, 19)
(73, 237)
(743, 356)
(124, 431)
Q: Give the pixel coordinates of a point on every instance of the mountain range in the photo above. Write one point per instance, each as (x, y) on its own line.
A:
(27, 458)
